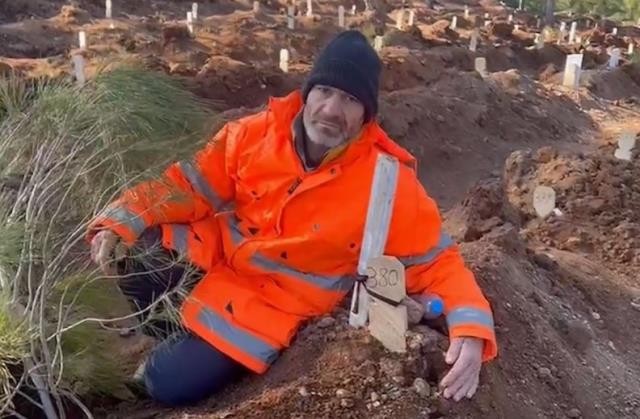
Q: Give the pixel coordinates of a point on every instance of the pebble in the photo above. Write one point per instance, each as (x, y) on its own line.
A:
(595, 315)
(376, 404)
(574, 413)
(303, 391)
(342, 393)
(544, 372)
(421, 387)
(374, 396)
(326, 322)
(346, 403)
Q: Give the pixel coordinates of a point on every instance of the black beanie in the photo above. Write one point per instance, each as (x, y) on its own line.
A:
(350, 64)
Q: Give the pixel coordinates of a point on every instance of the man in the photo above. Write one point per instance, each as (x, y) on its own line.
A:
(271, 213)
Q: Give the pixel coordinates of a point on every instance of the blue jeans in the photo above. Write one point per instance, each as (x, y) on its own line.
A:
(183, 369)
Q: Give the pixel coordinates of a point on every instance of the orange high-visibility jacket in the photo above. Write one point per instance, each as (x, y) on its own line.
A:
(280, 245)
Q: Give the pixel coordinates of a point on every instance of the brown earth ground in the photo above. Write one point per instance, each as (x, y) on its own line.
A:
(565, 291)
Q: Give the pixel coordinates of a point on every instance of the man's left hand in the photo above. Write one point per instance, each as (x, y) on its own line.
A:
(465, 353)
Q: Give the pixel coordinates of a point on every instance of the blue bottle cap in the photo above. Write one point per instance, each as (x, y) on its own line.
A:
(436, 306)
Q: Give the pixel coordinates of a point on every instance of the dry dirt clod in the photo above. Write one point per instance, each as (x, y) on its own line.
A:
(342, 393)
(303, 391)
(374, 396)
(421, 387)
(574, 413)
(544, 372)
(326, 322)
(346, 403)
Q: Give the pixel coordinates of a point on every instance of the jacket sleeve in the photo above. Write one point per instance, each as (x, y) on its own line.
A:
(434, 265)
(187, 191)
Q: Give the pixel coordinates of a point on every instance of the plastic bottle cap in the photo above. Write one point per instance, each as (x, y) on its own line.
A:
(436, 306)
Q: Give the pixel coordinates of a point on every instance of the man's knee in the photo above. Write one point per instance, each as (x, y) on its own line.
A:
(184, 370)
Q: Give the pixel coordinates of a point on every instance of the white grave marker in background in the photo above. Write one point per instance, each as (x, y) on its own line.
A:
(309, 8)
(521, 4)
(572, 32)
(539, 41)
(614, 59)
(510, 19)
(615, 31)
(487, 23)
(572, 70)
(284, 60)
(630, 49)
(108, 10)
(454, 23)
(400, 19)
(341, 16)
(412, 17)
(190, 22)
(194, 11)
(466, 12)
(473, 44)
(78, 68)
(256, 6)
(626, 142)
(544, 201)
(516, 27)
(353, 10)
(487, 16)
(82, 39)
(481, 66)
(377, 43)
(291, 20)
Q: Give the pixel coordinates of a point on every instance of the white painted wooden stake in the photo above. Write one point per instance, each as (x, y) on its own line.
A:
(284, 60)
(400, 20)
(481, 66)
(353, 10)
(190, 22)
(614, 58)
(78, 68)
(578, 39)
(572, 33)
(473, 45)
(544, 201)
(377, 43)
(487, 16)
(379, 210)
(309, 8)
(563, 26)
(454, 23)
(194, 11)
(510, 19)
(630, 49)
(82, 39)
(539, 41)
(572, 69)
(487, 23)
(626, 143)
(521, 5)
(256, 6)
(108, 10)
(412, 17)
(538, 23)
(516, 27)
(291, 20)
(341, 16)
(466, 12)
(614, 31)
(388, 323)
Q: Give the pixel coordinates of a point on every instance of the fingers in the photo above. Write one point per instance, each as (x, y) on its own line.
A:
(474, 387)
(105, 252)
(454, 374)
(454, 350)
(458, 384)
(95, 246)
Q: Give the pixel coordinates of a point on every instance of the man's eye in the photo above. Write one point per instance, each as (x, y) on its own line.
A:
(323, 89)
(352, 99)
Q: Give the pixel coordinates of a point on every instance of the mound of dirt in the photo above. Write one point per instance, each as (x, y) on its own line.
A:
(615, 84)
(461, 127)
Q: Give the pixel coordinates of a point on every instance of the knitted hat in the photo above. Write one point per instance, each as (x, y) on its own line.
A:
(350, 64)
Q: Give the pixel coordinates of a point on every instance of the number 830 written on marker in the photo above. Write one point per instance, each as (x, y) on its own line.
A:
(382, 277)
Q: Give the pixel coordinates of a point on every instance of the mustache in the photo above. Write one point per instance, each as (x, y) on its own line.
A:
(334, 120)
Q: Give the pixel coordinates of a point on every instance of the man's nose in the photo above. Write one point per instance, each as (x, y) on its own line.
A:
(333, 106)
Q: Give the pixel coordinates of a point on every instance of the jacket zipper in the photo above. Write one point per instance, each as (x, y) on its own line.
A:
(294, 185)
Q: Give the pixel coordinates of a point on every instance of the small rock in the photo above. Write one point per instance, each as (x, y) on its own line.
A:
(421, 387)
(326, 322)
(342, 393)
(574, 413)
(595, 315)
(346, 403)
(376, 404)
(126, 332)
(368, 406)
(303, 391)
(636, 304)
(440, 118)
(544, 372)
(612, 346)
(374, 396)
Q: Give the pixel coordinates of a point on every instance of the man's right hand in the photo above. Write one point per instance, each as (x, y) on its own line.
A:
(104, 249)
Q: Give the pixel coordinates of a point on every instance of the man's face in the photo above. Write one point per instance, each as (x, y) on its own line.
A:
(331, 116)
